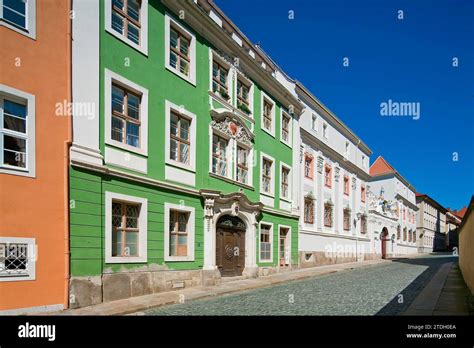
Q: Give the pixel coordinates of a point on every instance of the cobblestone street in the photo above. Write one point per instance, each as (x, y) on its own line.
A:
(367, 290)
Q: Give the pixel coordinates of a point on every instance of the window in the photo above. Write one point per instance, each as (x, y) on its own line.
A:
(125, 116)
(219, 80)
(267, 179)
(285, 182)
(128, 21)
(346, 219)
(242, 164)
(328, 214)
(180, 145)
(405, 234)
(414, 236)
(325, 130)
(179, 138)
(243, 96)
(363, 224)
(308, 211)
(19, 16)
(219, 155)
(346, 185)
(409, 236)
(328, 176)
(404, 214)
(179, 232)
(178, 229)
(17, 259)
(267, 115)
(267, 176)
(180, 50)
(266, 242)
(347, 149)
(314, 122)
(17, 132)
(125, 228)
(285, 128)
(399, 233)
(308, 166)
(362, 194)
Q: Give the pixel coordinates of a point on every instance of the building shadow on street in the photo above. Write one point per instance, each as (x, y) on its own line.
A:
(434, 261)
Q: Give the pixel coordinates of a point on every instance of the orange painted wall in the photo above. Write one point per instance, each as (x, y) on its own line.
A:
(37, 207)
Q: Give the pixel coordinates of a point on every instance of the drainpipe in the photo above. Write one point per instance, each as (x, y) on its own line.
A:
(67, 145)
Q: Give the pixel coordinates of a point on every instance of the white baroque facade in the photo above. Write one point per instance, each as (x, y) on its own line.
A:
(392, 212)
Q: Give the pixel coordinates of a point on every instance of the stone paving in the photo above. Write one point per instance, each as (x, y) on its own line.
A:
(361, 291)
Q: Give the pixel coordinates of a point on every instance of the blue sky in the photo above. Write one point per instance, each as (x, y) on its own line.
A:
(409, 60)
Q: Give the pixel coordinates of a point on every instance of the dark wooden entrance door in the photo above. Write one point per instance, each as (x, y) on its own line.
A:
(230, 248)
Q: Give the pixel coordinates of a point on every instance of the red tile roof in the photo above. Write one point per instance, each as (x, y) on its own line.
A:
(381, 167)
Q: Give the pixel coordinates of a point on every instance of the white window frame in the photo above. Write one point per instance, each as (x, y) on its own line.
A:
(284, 165)
(32, 257)
(110, 78)
(236, 144)
(290, 128)
(272, 183)
(143, 46)
(192, 47)
(264, 96)
(142, 226)
(30, 23)
(191, 232)
(222, 62)
(247, 81)
(169, 106)
(260, 243)
(228, 152)
(29, 100)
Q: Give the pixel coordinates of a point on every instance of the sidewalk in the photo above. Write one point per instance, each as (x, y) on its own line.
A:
(445, 294)
(141, 303)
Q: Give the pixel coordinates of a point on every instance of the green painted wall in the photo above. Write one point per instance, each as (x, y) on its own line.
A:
(87, 189)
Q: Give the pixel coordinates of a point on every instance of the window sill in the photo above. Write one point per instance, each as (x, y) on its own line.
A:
(269, 132)
(18, 29)
(179, 258)
(268, 194)
(286, 143)
(5, 169)
(235, 182)
(140, 48)
(180, 165)
(119, 259)
(178, 73)
(126, 147)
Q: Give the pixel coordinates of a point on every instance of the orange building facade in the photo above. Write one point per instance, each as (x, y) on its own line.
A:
(35, 69)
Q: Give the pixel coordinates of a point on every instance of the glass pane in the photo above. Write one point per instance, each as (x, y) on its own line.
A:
(133, 9)
(14, 123)
(174, 150)
(173, 60)
(131, 238)
(173, 38)
(182, 239)
(223, 168)
(14, 151)
(133, 138)
(15, 109)
(133, 33)
(133, 106)
(117, 22)
(184, 46)
(117, 129)
(173, 245)
(117, 99)
(214, 165)
(174, 125)
(14, 11)
(183, 221)
(184, 66)
(118, 3)
(215, 70)
(184, 148)
(184, 131)
(116, 243)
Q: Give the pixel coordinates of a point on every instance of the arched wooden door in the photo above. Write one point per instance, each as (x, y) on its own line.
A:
(383, 241)
(230, 246)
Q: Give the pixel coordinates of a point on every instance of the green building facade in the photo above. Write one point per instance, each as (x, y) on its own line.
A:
(182, 173)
